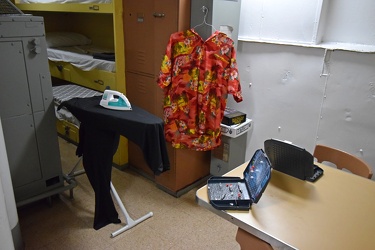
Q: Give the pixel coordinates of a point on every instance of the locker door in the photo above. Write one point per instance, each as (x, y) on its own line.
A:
(14, 94)
(22, 150)
(16, 115)
(140, 90)
(165, 23)
(139, 36)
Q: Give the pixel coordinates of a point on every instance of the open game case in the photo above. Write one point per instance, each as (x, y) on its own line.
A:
(234, 193)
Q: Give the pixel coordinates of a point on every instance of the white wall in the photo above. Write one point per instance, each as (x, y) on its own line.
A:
(311, 68)
(290, 99)
(350, 21)
(285, 96)
(308, 22)
(348, 111)
(8, 210)
(289, 20)
(6, 238)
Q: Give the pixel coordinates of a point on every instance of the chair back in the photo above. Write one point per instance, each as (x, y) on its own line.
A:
(342, 160)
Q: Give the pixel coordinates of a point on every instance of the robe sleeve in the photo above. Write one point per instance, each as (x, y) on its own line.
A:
(234, 86)
(165, 75)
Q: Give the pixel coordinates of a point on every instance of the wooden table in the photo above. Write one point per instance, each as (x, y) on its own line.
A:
(335, 212)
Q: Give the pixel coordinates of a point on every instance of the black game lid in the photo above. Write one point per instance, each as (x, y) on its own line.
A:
(289, 158)
(257, 175)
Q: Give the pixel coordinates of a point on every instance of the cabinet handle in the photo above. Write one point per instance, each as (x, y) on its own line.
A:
(67, 131)
(94, 7)
(100, 82)
(60, 67)
(159, 15)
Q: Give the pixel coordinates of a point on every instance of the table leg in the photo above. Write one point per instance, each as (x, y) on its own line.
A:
(248, 241)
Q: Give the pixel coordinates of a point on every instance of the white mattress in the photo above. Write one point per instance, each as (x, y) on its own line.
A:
(66, 92)
(65, 1)
(80, 57)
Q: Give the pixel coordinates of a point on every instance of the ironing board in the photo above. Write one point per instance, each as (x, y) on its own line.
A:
(99, 136)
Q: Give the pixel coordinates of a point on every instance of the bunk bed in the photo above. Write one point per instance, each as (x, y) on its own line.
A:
(85, 47)
(75, 32)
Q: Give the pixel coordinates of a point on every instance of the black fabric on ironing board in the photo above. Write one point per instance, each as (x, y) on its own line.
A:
(98, 151)
(99, 135)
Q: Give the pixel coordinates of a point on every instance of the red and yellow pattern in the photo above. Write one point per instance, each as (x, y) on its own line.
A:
(197, 77)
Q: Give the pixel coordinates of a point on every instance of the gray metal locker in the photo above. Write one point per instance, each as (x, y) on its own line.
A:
(26, 109)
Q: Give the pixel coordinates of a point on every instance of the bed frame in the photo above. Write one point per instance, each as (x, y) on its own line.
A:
(92, 20)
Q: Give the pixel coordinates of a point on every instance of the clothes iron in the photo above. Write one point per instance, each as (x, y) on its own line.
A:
(115, 100)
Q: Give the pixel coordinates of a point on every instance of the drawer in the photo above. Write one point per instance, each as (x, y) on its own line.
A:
(94, 79)
(68, 131)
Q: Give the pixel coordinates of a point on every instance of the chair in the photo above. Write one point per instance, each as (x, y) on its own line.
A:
(248, 241)
(342, 160)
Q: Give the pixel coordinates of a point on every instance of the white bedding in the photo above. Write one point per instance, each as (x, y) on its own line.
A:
(65, 1)
(80, 57)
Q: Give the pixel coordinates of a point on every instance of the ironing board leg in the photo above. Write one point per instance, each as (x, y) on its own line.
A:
(73, 173)
(130, 222)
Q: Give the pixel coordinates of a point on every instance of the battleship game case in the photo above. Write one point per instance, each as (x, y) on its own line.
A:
(293, 160)
(234, 193)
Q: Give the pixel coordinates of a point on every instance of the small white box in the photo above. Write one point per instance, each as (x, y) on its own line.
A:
(237, 129)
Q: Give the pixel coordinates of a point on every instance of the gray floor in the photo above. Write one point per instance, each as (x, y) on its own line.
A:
(177, 223)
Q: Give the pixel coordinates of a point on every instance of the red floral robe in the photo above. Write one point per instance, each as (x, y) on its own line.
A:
(197, 77)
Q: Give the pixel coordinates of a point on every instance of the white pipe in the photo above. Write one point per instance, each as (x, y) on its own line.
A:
(8, 210)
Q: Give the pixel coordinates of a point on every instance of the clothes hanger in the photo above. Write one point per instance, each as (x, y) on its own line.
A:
(205, 11)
